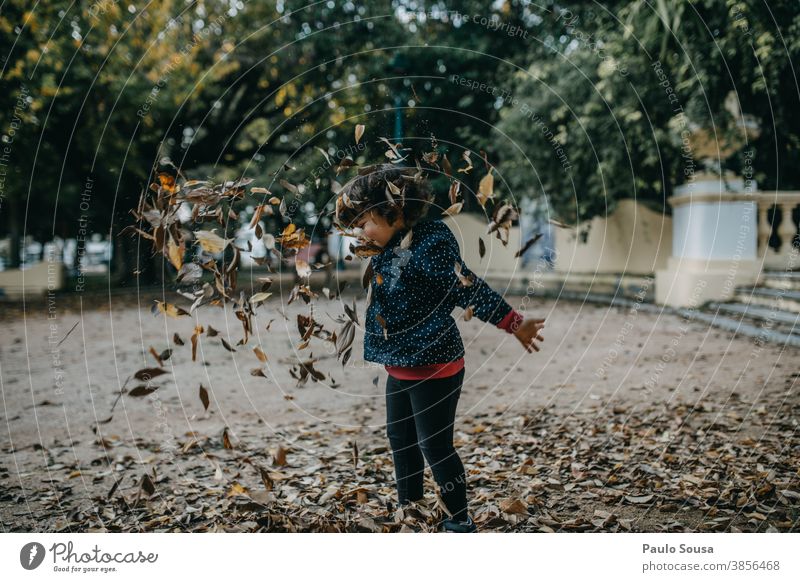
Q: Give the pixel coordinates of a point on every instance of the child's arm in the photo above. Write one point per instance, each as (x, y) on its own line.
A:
(470, 291)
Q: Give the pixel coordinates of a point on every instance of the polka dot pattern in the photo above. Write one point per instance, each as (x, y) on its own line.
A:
(416, 298)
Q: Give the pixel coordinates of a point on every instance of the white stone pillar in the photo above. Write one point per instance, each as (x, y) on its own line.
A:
(714, 242)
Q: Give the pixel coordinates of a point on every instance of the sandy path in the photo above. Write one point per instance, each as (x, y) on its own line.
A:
(594, 359)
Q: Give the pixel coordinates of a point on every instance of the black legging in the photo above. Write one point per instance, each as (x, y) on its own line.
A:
(420, 415)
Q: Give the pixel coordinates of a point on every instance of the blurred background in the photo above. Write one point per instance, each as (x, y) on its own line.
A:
(593, 115)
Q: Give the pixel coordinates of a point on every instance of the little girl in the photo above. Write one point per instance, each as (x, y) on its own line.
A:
(416, 280)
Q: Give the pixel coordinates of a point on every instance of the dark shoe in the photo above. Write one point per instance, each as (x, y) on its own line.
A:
(453, 525)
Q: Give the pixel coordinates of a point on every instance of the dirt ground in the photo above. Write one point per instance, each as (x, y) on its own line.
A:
(599, 368)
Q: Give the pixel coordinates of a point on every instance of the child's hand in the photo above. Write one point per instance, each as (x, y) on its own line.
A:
(528, 332)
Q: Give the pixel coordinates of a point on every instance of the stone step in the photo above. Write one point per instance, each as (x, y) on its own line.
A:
(783, 274)
(758, 332)
(780, 280)
(779, 299)
(786, 321)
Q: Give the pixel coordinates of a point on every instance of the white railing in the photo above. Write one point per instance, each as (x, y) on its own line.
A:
(777, 230)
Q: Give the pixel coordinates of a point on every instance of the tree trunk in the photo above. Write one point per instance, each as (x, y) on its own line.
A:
(14, 232)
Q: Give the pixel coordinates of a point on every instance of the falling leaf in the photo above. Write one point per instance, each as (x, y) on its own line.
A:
(558, 223)
(464, 280)
(447, 167)
(210, 241)
(382, 323)
(142, 390)
(486, 188)
(466, 157)
(359, 132)
(290, 187)
(405, 243)
(204, 397)
(454, 209)
(481, 248)
(532, 241)
(257, 298)
(195, 338)
(177, 339)
(226, 345)
(303, 269)
(147, 374)
(169, 309)
(262, 357)
(453, 191)
(175, 253)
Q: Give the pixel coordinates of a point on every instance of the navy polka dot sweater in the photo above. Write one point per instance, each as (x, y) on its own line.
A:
(409, 319)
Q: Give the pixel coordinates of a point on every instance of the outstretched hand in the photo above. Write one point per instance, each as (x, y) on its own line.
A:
(528, 332)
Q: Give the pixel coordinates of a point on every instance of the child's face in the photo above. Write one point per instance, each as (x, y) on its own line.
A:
(376, 228)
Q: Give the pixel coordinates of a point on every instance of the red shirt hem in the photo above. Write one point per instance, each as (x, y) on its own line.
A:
(510, 323)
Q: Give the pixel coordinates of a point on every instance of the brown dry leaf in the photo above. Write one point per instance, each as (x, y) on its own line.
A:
(279, 456)
(454, 209)
(405, 243)
(156, 355)
(176, 339)
(638, 499)
(447, 167)
(175, 253)
(303, 268)
(379, 318)
(466, 157)
(226, 439)
(486, 188)
(210, 241)
(359, 132)
(268, 482)
(481, 248)
(532, 241)
(291, 187)
(142, 390)
(453, 192)
(147, 485)
(463, 279)
(169, 309)
(262, 357)
(257, 298)
(513, 505)
(204, 397)
(147, 374)
(226, 345)
(195, 338)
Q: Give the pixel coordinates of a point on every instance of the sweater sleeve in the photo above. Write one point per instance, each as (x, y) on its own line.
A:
(511, 322)
(438, 273)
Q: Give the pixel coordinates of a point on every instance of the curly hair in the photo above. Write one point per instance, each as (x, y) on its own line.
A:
(409, 195)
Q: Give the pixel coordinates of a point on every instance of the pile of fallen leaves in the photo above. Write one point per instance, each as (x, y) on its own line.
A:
(667, 467)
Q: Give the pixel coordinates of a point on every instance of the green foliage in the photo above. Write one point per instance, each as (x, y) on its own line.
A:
(627, 87)
(228, 89)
